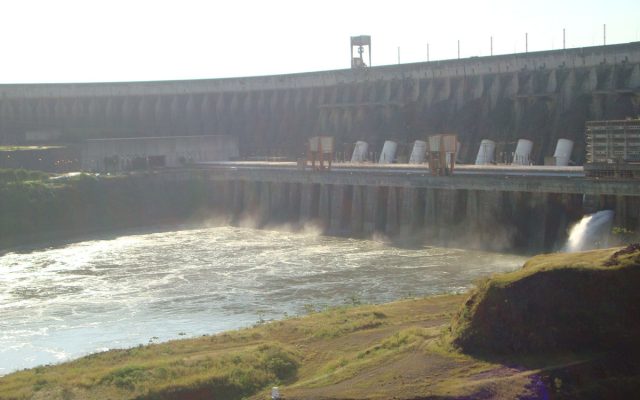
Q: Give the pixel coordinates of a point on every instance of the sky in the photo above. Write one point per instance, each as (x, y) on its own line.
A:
(141, 40)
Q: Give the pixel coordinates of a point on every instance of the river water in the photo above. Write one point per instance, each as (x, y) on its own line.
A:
(63, 302)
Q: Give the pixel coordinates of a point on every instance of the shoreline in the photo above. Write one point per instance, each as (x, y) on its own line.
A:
(197, 304)
(407, 349)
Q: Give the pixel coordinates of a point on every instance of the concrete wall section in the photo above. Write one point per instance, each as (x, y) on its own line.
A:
(478, 215)
(381, 179)
(177, 151)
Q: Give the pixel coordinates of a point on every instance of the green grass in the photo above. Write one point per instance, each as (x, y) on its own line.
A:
(342, 324)
(155, 372)
(321, 349)
(592, 260)
(21, 175)
(26, 148)
(578, 302)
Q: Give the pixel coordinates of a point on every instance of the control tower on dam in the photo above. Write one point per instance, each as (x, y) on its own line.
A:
(540, 96)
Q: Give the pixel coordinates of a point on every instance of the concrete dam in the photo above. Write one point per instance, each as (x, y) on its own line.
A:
(540, 96)
(505, 210)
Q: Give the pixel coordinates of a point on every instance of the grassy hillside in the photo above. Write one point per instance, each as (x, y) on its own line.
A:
(374, 352)
(585, 306)
(556, 302)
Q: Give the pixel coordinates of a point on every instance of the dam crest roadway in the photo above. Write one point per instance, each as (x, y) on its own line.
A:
(543, 179)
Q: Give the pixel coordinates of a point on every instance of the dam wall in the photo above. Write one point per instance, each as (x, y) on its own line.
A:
(540, 96)
(489, 212)
(170, 151)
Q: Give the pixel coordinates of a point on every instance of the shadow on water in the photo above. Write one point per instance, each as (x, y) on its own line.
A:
(55, 240)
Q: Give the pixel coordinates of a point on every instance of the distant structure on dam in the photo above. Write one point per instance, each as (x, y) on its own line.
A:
(539, 96)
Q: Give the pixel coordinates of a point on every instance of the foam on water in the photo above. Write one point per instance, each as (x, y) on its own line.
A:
(64, 302)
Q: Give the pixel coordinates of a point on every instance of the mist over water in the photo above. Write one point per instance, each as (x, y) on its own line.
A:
(64, 302)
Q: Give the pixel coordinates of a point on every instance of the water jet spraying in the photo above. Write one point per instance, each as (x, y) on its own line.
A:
(592, 232)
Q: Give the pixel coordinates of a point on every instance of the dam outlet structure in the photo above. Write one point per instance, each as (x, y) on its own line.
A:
(562, 155)
(418, 153)
(360, 152)
(522, 155)
(388, 153)
(512, 212)
(486, 152)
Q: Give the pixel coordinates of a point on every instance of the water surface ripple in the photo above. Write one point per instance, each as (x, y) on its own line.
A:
(63, 302)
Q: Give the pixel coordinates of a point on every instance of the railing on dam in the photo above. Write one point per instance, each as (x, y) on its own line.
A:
(627, 53)
(539, 180)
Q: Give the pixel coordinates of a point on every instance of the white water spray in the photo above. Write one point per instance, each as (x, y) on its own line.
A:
(591, 232)
(65, 301)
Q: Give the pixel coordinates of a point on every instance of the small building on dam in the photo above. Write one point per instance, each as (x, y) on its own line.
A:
(121, 154)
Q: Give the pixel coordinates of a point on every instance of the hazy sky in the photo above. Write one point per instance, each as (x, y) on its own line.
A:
(113, 40)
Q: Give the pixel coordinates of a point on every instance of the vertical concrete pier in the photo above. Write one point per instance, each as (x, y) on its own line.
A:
(538, 211)
(410, 214)
(358, 210)
(324, 207)
(278, 203)
(294, 202)
(307, 200)
(237, 202)
(229, 192)
(372, 209)
(338, 212)
(249, 202)
(430, 214)
(393, 211)
(264, 207)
